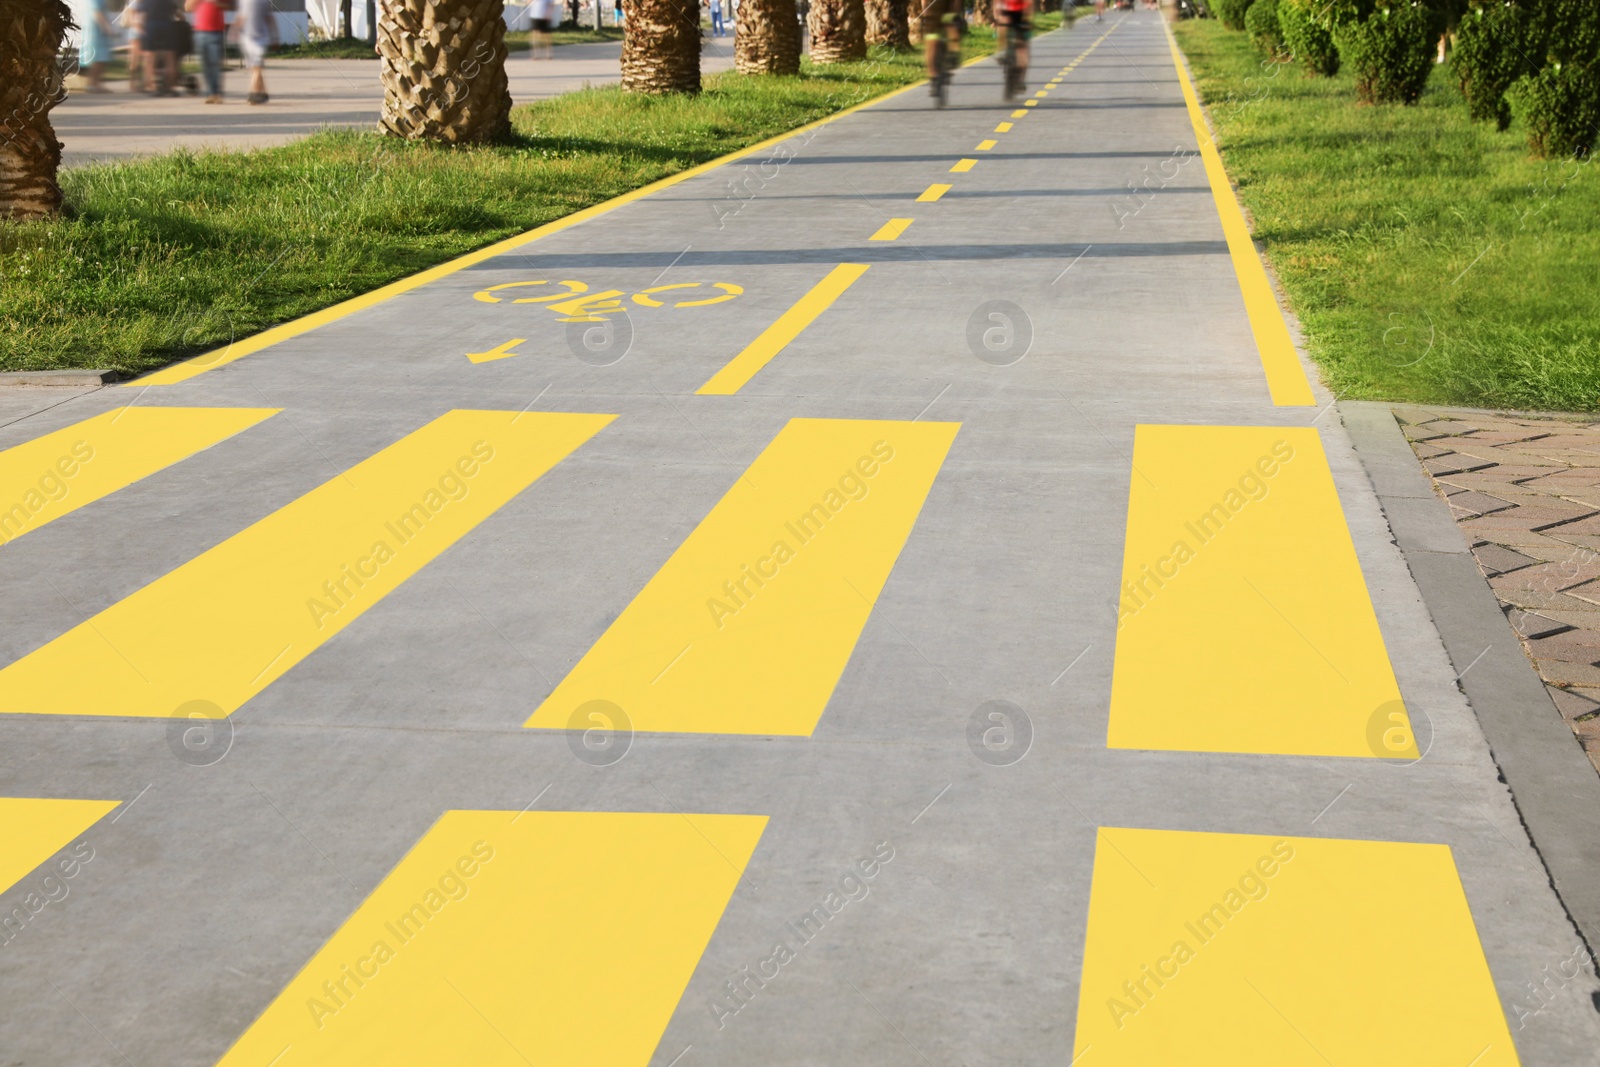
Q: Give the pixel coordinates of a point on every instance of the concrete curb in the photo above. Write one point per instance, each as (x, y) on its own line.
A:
(1552, 783)
(73, 379)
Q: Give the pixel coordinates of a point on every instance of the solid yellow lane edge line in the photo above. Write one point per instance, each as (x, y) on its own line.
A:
(1286, 378)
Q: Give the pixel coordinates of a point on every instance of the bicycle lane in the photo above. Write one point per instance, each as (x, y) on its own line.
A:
(1004, 590)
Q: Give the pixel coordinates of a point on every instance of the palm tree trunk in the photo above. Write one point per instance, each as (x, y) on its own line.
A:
(661, 46)
(886, 23)
(444, 71)
(838, 30)
(914, 10)
(30, 85)
(766, 39)
(983, 12)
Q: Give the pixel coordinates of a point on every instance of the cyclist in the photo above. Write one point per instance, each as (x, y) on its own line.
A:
(1015, 24)
(943, 22)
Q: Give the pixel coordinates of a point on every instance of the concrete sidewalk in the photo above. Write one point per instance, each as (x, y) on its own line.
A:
(858, 604)
(307, 95)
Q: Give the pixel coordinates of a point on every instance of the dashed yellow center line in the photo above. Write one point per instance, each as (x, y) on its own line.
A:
(963, 165)
(790, 325)
(932, 193)
(1030, 103)
(1004, 127)
(984, 146)
(1041, 94)
(890, 230)
(1019, 113)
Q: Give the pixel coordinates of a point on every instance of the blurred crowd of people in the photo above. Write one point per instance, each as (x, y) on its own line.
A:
(159, 33)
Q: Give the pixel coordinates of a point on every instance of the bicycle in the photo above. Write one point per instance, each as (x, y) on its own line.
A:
(1014, 29)
(944, 47)
(1013, 74)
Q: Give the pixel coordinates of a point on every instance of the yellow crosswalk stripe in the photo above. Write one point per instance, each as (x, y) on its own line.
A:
(1244, 623)
(34, 829)
(502, 939)
(59, 473)
(1220, 949)
(790, 325)
(748, 626)
(219, 629)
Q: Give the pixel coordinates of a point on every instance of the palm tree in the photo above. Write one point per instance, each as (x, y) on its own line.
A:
(444, 70)
(983, 12)
(766, 39)
(838, 30)
(661, 46)
(886, 23)
(914, 10)
(31, 32)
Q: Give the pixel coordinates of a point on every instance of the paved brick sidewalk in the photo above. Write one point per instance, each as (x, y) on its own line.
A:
(1525, 490)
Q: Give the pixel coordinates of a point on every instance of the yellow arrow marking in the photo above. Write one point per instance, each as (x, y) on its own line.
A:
(498, 352)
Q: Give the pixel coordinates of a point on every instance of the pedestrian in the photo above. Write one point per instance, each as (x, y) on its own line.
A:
(543, 13)
(257, 31)
(158, 39)
(616, 13)
(716, 18)
(132, 21)
(210, 30)
(94, 49)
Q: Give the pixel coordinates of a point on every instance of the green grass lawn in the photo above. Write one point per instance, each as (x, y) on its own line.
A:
(1428, 257)
(166, 257)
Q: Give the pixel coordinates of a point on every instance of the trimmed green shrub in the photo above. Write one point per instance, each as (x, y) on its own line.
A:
(1561, 107)
(1391, 50)
(1261, 23)
(1307, 36)
(1491, 46)
(1232, 12)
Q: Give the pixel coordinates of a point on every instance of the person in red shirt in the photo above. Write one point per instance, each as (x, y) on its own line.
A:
(210, 28)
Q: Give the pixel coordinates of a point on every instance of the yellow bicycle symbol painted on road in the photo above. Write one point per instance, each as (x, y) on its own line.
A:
(575, 302)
